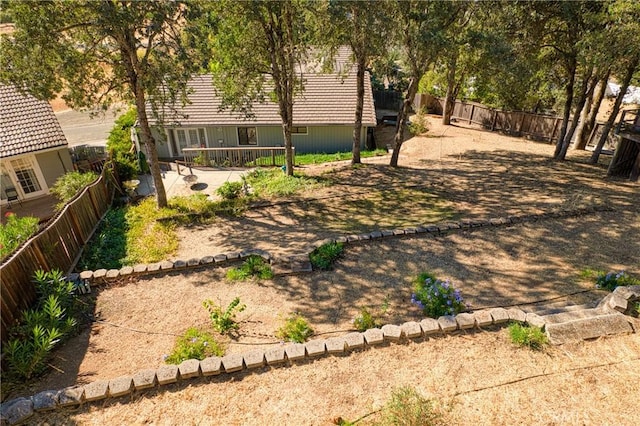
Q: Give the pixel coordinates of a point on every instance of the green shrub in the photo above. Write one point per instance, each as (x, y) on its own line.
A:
(119, 145)
(408, 408)
(419, 124)
(223, 321)
(612, 280)
(16, 231)
(230, 190)
(69, 184)
(436, 297)
(254, 266)
(295, 329)
(194, 344)
(107, 249)
(42, 327)
(324, 256)
(527, 335)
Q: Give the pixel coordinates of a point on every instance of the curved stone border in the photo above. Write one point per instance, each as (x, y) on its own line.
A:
(20, 409)
(291, 263)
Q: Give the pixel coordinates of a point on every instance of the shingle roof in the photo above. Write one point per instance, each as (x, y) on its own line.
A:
(327, 99)
(26, 124)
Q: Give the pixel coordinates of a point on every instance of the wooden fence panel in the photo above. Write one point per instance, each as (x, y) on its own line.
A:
(54, 247)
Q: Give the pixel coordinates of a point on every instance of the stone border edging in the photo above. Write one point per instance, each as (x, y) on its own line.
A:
(225, 259)
(20, 409)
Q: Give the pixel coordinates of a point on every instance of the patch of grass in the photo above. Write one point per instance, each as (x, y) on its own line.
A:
(108, 246)
(408, 408)
(254, 266)
(295, 329)
(324, 256)
(194, 344)
(528, 336)
(270, 183)
(370, 318)
(224, 320)
(306, 159)
(149, 240)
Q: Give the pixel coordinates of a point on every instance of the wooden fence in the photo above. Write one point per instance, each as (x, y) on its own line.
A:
(235, 157)
(56, 246)
(517, 123)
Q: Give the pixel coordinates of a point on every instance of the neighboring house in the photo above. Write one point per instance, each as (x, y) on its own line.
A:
(33, 149)
(323, 119)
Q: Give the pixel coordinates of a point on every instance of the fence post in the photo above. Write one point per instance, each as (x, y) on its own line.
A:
(471, 115)
(553, 132)
(493, 121)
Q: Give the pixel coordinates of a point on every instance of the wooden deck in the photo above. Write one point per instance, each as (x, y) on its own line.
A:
(41, 207)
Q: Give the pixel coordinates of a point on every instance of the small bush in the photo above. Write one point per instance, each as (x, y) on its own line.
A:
(324, 256)
(120, 146)
(223, 321)
(408, 408)
(435, 297)
(230, 190)
(612, 280)
(16, 231)
(295, 329)
(366, 320)
(526, 335)
(69, 184)
(254, 266)
(194, 344)
(419, 124)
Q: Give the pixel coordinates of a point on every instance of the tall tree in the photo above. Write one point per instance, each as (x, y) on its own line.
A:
(590, 114)
(419, 28)
(258, 48)
(97, 53)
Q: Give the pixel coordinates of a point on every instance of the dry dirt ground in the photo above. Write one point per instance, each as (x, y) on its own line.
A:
(453, 174)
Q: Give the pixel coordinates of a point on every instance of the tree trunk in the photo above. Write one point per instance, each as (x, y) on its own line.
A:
(616, 108)
(585, 91)
(567, 110)
(402, 119)
(583, 137)
(450, 97)
(357, 126)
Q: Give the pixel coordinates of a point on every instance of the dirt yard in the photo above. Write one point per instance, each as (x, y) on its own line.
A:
(454, 173)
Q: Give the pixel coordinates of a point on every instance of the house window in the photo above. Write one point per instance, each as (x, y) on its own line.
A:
(247, 136)
(299, 130)
(190, 138)
(26, 175)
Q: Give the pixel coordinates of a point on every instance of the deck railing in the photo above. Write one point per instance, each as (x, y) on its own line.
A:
(235, 157)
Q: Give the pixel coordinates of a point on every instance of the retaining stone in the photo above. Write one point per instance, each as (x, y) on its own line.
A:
(535, 320)
(153, 267)
(430, 326)
(315, 348)
(166, 265)
(138, 269)
(352, 238)
(454, 226)
(126, 270)
(144, 379)
(364, 237)
(100, 273)
(618, 302)
(465, 320)
(386, 233)
(448, 323)
(113, 273)
(375, 235)
(254, 359)
(120, 386)
(193, 262)
(233, 362)
(499, 315)
(374, 336)
(391, 333)
(342, 240)
(71, 396)
(219, 258)
(588, 328)
(233, 256)
(74, 276)
(421, 230)
(45, 400)
(96, 391)
(516, 314)
(275, 356)
(398, 232)
(354, 341)
(211, 366)
(206, 260)
(628, 292)
(178, 264)
(189, 368)
(335, 345)
(409, 231)
(18, 410)
(295, 351)
(411, 330)
(433, 229)
(483, 318)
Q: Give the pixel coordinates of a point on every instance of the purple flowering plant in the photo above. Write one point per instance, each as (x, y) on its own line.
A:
(612, 280)
(436, 297)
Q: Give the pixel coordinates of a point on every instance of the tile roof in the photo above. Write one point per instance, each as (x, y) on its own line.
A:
(26, 124)
(327, 99)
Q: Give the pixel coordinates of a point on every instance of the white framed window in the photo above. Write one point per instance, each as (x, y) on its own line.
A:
(190, 138)
(299, 130)
(247, 136)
